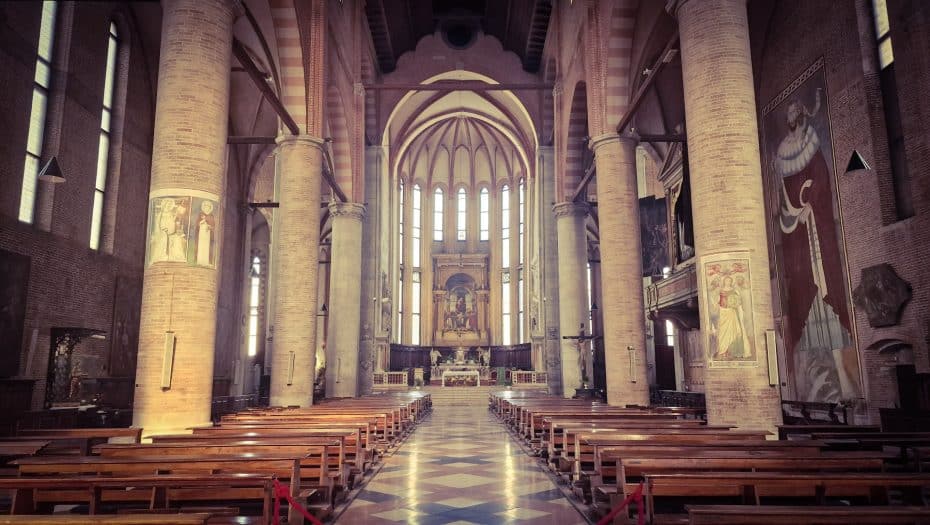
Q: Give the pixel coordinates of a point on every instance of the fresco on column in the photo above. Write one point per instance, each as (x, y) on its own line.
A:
(811, 288)
(728, 303)
(183, 228)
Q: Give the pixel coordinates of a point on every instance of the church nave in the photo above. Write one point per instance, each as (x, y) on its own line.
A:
(460, 466)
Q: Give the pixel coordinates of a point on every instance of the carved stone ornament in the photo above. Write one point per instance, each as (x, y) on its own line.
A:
(882, 294)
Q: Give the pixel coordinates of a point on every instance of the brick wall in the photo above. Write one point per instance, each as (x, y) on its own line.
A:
(792, 37)
(70, 284)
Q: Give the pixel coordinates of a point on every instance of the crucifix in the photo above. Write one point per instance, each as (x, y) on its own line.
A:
(584, 360)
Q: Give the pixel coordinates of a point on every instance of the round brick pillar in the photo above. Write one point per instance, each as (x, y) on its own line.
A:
(295, 256)
(174, 374)
(623, 312)
(732, 257)
(345, 295)
(573, 300)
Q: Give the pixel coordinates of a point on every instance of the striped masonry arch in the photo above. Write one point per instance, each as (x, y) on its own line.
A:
(575, 143)
(339, 132)
(290, 60)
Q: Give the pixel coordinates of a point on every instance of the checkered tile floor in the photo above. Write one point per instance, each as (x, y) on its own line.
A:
(459, 467)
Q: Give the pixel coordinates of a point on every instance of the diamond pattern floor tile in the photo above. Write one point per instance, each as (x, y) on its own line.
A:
(459, 467)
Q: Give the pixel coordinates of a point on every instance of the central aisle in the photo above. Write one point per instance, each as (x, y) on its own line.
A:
(460, 466)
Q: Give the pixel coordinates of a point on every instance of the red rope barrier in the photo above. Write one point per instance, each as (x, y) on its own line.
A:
(636, 496)
(283, 491)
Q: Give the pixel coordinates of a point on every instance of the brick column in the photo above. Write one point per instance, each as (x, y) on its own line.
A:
(344, 300)
(622, 270)
(573, 297)
(296, 259)
(729, 215)
(180, 285)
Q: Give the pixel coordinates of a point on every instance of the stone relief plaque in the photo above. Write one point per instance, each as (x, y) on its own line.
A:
(882, 294)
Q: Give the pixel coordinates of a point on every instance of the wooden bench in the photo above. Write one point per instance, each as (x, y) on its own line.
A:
(325, 455)
(158, 492)
(751, 487)
(630, 469)
(123, 519)
(81, 439)
(304, 484)
(802, 515)
(787, 431)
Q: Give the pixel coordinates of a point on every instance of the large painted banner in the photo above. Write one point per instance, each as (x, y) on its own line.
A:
(811, 301)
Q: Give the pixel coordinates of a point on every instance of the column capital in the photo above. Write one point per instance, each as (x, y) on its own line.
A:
(571, 209)
(610, 138)
(349, 210)
(309, 140)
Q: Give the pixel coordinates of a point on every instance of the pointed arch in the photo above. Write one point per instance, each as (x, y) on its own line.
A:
(339, 132)
(573, 148)
(621, 28)
(290, 60)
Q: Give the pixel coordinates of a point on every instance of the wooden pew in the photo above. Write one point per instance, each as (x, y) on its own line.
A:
(751, 487)
(802, 431)
(562, 432)
(323, 454)
(357, 455)
(83, 439)
(632, 468)
(158, 492)
(281, 466)
(123, 519)
(803, 515)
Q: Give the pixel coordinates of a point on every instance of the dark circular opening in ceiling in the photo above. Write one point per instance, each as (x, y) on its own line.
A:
(459, 34)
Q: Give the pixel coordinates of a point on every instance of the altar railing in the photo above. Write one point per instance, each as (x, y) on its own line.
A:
(527, 378)
(390, 379)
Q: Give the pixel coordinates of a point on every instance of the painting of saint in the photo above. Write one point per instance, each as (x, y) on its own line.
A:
(820, 356)
(204, 246)
(460, 305)
(730, 307)
(168, 233)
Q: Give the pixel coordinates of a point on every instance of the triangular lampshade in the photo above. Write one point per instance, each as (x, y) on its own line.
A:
(856, 162)
(51, 172)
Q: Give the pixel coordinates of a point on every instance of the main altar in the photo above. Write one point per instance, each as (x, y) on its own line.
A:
(464, 365)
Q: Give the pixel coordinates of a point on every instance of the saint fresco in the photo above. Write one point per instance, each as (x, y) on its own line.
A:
(820, 354)
(183, 229)
(729, 305)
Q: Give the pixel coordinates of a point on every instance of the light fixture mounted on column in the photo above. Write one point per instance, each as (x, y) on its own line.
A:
(51, 172)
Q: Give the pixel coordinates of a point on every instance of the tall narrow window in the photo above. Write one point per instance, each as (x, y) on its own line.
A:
(437, 215)
(669, 333)
(40, 90)
(417, 223)
(505, 308)
(484, 212)
(103, 149)
(400, 308)
(254, 301)
(461, 215)
(520, 338)
(900, 175)
(400, 229)
(505, 227)
(520, 211)
(398, 327)
(415, 310)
